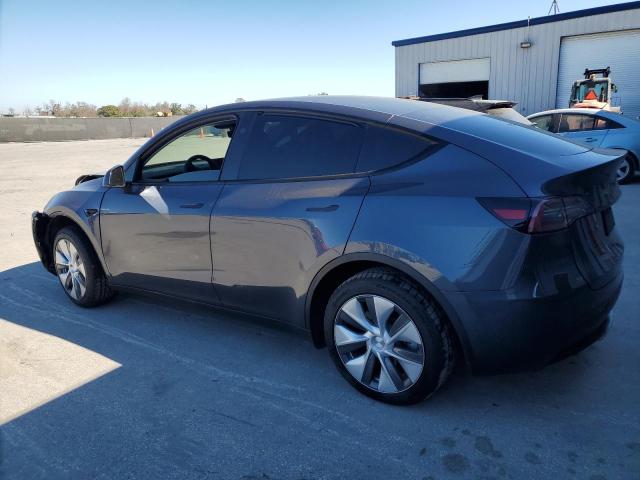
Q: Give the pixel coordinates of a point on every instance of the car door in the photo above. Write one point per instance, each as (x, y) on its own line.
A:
(287, 211)
(581, 128)
(155, 230)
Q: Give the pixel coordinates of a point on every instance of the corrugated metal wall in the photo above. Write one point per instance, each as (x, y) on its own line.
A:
(525, 75)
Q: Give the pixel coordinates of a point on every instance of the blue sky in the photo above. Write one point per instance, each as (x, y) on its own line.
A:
(211, 52)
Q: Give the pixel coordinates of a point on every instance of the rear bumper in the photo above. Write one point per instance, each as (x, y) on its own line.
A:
(509, 333)
(39, 224)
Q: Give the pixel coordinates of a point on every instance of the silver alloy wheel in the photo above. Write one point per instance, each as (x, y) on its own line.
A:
(70, 269)
(378, 343)
(623, 170)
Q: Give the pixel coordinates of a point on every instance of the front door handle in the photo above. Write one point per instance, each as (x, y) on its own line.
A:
(328, 208)
(591, 139)
(192, 205)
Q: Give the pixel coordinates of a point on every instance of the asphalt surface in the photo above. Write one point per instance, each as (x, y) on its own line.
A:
(151, 388)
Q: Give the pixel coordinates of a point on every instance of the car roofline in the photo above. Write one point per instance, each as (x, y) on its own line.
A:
(588, 111)
(364, 106)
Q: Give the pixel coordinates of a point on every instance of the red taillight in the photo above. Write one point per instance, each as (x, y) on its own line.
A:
(511, 213)
(537, 215)
(547, 216)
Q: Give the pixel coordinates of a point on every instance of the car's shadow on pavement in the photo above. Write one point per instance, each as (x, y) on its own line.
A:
(202, 393)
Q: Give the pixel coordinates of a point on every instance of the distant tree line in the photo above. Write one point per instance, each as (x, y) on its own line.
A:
(126, 108)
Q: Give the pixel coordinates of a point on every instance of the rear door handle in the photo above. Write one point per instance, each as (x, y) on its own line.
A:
(328, 208)
(192, 205)
(591, 139)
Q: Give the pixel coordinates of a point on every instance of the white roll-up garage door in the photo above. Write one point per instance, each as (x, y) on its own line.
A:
(618, 50)
(456, 78)
(473, 70)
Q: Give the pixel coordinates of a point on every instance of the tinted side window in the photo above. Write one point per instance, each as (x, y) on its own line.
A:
(287, 146)
(575, 122)
(606, 124)
(387, 147)
(544, 122)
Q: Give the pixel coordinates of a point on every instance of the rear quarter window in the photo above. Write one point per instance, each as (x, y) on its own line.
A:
(606, 124)
(387, 147)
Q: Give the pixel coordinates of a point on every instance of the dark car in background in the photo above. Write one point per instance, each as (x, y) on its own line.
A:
(403, 235)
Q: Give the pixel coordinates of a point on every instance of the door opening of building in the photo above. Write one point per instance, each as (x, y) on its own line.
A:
(455, 89)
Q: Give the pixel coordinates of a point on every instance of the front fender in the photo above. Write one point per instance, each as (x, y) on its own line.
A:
(82, 208)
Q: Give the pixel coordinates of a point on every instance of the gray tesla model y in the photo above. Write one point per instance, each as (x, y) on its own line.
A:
(403, 235)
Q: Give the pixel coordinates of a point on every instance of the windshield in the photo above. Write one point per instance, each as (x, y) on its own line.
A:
(590, 90)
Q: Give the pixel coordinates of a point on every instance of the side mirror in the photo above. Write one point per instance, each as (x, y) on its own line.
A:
(114, 177)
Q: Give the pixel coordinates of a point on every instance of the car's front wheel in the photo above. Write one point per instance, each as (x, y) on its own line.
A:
(387, 337)
(79, 269)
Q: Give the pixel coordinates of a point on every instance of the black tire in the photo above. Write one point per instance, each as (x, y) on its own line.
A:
(97, 290)
(630, 171)
(431, 323)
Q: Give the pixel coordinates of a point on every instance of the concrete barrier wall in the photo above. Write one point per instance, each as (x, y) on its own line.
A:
(42, 129)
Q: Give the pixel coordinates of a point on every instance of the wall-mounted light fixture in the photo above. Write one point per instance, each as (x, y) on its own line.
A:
(526, 43)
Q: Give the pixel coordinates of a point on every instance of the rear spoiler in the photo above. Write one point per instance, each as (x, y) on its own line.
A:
(598, 184)
(477, 105)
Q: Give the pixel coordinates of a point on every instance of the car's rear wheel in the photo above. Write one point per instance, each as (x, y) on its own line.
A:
(626, 170)
(79, 270)
(388, 338)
